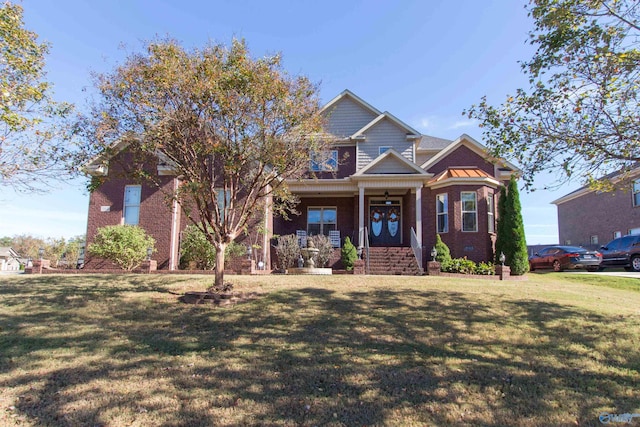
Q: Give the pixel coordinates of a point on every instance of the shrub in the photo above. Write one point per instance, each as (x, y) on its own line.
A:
(444, 255)
(196, 250)
(349, 254)
(234, 250)
(125, 245)
(322, 242)
(287, 251)
(459, 265)
(466, 266)
(485, 268)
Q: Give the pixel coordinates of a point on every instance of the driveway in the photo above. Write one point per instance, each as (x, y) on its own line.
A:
(616, 272)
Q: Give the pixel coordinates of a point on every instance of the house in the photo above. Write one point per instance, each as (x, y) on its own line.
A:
(383, 184)
(591, 218)
(9, 259)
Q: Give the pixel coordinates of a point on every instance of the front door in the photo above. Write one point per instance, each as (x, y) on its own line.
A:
(385, 225)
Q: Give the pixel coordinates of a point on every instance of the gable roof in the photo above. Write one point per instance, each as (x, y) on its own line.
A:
(6, 252)
(347, 93)
(411, 132)
(613, 177)
(411, 167)
(462, 176)
(473, 145)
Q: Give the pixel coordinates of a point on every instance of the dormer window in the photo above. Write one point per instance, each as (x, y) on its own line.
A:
(325, 161)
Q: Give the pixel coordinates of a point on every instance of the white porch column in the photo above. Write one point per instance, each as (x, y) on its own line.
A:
(360, 216)
(419, 215)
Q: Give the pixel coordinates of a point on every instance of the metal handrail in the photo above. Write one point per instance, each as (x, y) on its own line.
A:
(417, 249)
(366, 245)
(364, 238)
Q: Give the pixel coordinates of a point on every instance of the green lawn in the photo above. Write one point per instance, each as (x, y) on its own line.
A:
(553, 350)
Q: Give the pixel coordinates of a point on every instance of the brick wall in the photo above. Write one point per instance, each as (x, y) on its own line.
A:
(476, 246)
(597, 214)
(106, 208)
(461, 157)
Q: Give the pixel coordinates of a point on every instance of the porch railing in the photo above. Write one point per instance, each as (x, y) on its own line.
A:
(417, 249)
(364, 238)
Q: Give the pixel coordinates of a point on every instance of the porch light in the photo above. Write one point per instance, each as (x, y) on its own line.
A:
(359, 252)
(41, 253)
(249, 252)
(149, 252)
(434, 253)
(502, 258)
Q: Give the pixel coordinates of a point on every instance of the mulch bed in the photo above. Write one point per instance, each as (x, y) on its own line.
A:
(216, 298)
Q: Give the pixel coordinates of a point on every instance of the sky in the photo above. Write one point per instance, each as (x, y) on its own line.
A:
(424, 61)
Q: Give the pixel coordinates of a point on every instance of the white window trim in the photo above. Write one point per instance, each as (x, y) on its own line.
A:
(445, 213)
(125, 205)
(322, 208)
(462, 211)
(635, 189)
(329, 165)
(383, 149)
(491, 213)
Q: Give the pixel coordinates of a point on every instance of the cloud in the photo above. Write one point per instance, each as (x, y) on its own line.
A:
(427, 122)
(463, 124)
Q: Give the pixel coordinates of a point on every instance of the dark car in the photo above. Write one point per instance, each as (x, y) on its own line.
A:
(622, 252)
(565, 257)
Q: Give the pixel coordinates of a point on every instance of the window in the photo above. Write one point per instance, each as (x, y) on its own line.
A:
(325, 161)
(383, 149)
(594, 240)
(491, 221)
(469, 211)
(634, 231)
(222, 202)
(617, 234)
(321, 220)
(442, 213)
(636, 192)
(131, 211)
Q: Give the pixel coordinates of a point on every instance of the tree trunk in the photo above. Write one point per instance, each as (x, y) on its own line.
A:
(220, 252)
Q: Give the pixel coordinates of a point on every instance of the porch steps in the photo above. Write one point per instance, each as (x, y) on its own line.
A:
(393, 260)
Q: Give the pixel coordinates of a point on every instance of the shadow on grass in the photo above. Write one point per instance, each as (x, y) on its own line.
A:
(314, 356)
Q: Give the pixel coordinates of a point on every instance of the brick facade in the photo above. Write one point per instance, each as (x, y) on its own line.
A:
(597, 214)
(392, 148)
(106, 208)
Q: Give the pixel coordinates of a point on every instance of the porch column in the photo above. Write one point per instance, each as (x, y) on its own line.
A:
(360, 216)
(419, 215)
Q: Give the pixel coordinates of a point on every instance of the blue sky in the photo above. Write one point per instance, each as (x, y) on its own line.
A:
(423, 61)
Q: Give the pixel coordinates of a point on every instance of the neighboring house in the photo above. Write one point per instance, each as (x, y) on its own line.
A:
(592, 218)
(9, 259)
(383, 182)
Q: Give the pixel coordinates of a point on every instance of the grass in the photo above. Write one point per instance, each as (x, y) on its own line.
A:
(335, 351)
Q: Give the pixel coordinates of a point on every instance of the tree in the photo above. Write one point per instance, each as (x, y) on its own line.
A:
(514, 243)
(443, 255)
(580, 116)
(233, 128)
(502, 218)
(125, 245)
(34, 147)
(27, 246)
(349, 254)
